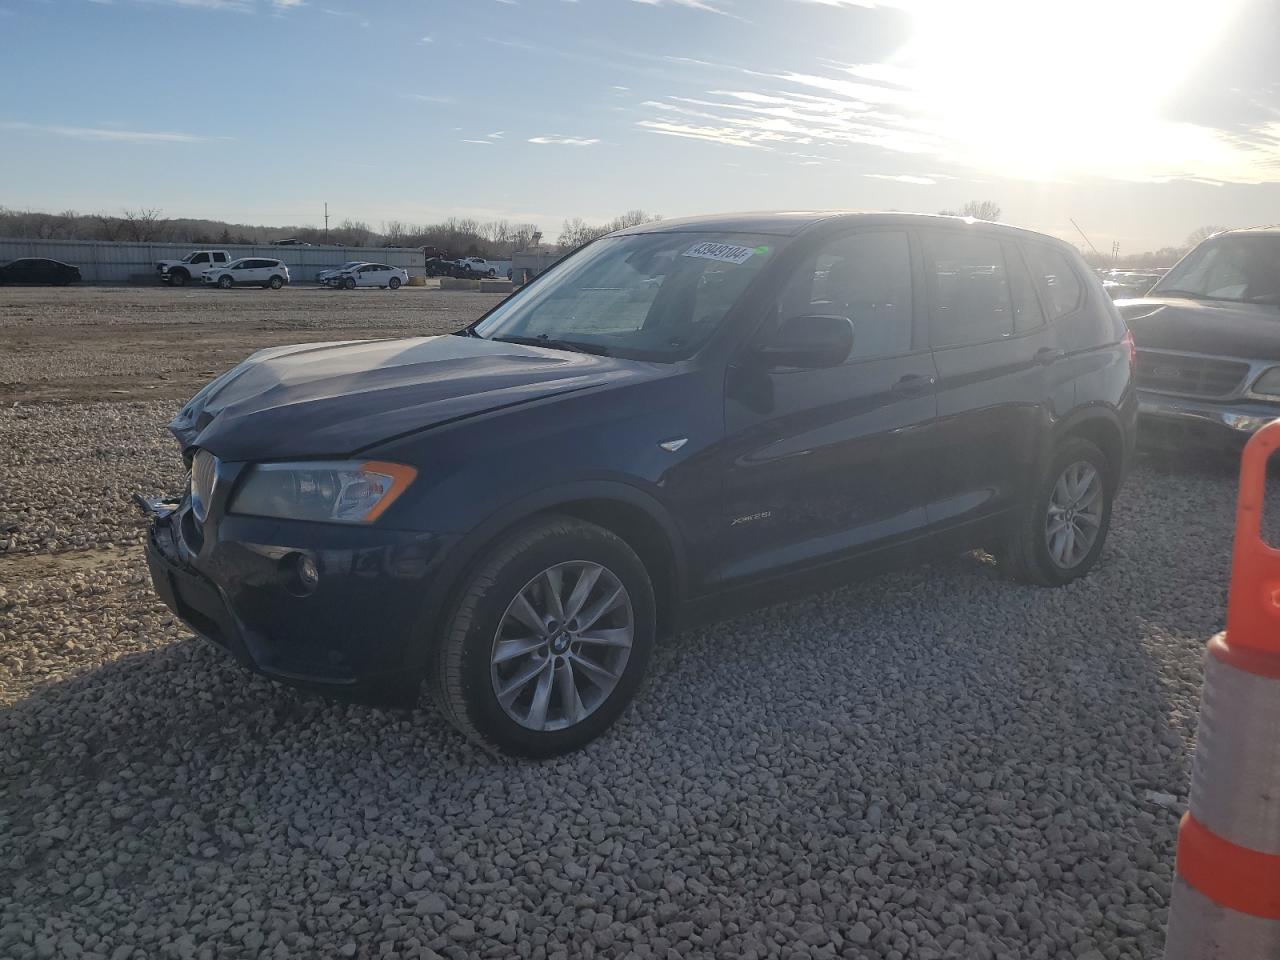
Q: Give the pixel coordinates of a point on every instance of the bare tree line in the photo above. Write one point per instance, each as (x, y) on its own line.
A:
(576, 232)
(460, 236)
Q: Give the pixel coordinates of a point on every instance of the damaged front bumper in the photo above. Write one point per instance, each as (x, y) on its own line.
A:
(1168, 422)
(326, 606)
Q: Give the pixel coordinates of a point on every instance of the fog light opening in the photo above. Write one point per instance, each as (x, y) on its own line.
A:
(302, 574)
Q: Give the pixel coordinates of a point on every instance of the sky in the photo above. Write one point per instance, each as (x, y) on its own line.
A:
(1142, 120)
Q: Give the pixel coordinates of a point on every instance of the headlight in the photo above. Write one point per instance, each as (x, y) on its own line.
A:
(330, 491)
(1268, 383)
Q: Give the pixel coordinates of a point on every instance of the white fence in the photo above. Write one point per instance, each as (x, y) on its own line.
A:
(103, 261)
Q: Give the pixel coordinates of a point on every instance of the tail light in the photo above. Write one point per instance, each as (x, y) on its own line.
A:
(1127, 340)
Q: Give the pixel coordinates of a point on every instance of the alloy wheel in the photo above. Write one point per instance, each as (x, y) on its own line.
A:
(1074, 517)
(562, 645)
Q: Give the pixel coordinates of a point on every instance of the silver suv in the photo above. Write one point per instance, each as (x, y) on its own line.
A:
(248, 272)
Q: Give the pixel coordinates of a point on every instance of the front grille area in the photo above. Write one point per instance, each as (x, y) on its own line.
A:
(1189, 376)
(204, 470)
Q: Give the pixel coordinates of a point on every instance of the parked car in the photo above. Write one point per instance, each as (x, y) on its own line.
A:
(1208, 337)
(480, 267)
(248, 272)
(439, 267)
(190, 267)
(679, 419)
(369, 275)
(324, 275)
(39, 271)
(1126, 284)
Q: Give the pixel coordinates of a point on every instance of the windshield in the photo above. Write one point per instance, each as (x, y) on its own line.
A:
(1241, 269)
(650, 296)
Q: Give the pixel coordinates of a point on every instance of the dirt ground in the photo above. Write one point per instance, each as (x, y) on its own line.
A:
(149, 343)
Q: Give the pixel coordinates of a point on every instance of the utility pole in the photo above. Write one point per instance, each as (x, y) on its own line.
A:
(326, 221)
(1115, 251)
(1086, 237)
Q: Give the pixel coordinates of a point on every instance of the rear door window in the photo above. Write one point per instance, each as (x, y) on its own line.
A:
(1059, 286)
(219, 258)
(970, 287)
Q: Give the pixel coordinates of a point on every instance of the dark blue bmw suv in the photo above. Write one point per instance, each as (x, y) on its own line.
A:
(676, 420)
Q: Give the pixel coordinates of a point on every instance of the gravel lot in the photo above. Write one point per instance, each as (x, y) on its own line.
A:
(932, 763)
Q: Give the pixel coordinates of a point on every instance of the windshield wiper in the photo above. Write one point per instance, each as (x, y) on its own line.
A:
(542, 340)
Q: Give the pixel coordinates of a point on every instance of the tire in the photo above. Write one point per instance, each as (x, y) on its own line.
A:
(492, 273)
(349, 283)
(225, 282)
(394, 283)
(275, 283)
(465, 678)
(178, 278)
(1031, 554)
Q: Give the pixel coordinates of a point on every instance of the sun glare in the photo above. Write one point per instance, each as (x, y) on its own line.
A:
(1042, 90)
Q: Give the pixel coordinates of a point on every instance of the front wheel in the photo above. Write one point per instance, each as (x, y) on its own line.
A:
(349, 283)
(226, 283)
(549, 640)
(394, 283)
(178, 279)
(1063, 529)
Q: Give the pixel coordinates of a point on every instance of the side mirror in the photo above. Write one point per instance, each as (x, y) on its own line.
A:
(809, 341)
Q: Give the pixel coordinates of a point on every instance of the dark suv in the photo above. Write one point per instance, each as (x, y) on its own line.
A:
(1209, 344)
(677, 418)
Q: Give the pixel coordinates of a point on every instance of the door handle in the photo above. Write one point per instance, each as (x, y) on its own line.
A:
(1048, 355)
(913, 384)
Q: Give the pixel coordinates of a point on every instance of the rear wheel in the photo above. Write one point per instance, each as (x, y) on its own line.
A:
(1063, 529)
(549, 640)
(275, 283)
(225, 282)
(394, 283)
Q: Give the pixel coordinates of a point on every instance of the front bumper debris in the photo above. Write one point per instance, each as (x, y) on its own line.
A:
(1169, 421)
(352, 625)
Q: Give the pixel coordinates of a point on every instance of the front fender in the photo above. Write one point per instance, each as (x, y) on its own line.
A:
(463, 556)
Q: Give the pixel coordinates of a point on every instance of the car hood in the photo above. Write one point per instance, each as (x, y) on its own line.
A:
(328, 399)
(1247, 330)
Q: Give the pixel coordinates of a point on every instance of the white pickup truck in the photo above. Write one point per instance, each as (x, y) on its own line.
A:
(480, 267)
(191, 267)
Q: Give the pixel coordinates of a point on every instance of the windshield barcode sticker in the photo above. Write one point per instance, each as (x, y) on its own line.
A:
(724, 252)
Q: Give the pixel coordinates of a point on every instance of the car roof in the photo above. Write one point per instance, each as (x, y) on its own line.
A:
(1268, 231)
(794, 223)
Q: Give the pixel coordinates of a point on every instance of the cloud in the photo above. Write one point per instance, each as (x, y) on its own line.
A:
(909, 178)
(706, 6)
(233, 6)
(426, 97)
(566, 141)
(1028, 113)
(108, 134)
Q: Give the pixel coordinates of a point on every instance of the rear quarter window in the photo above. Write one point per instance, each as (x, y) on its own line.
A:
(1051, 270)
(1086, 321)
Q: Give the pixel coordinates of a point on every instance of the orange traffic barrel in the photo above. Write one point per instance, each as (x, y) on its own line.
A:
(1226, 895)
